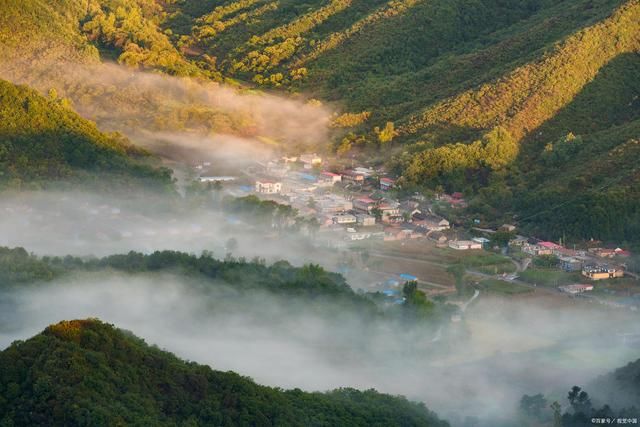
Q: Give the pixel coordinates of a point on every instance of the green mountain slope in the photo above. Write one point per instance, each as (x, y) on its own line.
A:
(43, 140)
(621, 387)
(477, 90)
(85, 372)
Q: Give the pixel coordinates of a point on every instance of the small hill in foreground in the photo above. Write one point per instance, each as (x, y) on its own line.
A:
(86, 372)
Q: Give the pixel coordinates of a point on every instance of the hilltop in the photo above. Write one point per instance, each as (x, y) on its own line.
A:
(88, 372)
(43, 141)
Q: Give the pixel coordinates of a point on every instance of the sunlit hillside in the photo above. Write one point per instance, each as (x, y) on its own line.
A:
(42, 140)
(468, 95)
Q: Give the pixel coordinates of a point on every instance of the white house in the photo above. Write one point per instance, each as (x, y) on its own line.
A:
(344, 219)
(431, 222)
(576, 289)
(268, 187)
(366, 220)
(463, 245)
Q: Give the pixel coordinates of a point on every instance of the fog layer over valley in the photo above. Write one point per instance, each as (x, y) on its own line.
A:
(480, 367)
(82, 224)
(176, 115)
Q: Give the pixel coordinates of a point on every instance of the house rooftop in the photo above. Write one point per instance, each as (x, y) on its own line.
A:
(365, 200)
(549, 245)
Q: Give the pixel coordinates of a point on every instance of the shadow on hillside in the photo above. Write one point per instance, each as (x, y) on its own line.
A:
(611, 99)
(587, 187)
(454, 68)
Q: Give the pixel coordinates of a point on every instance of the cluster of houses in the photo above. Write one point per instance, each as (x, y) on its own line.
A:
(353, 204)
(588, 262)
(357, 204)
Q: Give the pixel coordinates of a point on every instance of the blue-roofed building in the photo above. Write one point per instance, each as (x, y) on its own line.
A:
(408, 277)
(308, 177)
(392, 282)
(391, 292)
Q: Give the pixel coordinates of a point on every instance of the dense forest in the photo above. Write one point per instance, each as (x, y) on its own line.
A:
(530, 108)
(42, 140)
(616, 396)
(312, 284)
(85, 372)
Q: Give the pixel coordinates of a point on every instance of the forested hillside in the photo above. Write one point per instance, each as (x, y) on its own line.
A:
(312, 285)
(476, 96)
(43, 141)
(85, 372)
(621, 387)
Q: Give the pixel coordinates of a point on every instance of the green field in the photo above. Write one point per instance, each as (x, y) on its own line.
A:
(488, 263)
(502, 287)
(549, 277)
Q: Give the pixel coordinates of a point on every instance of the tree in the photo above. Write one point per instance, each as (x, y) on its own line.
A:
(557, 414)
(416, 301)
(387, 133)
(533, 405)
(458, 271)
(579, 400)
(500, 148)
(377, 213)
(547, 261)
(501, 238)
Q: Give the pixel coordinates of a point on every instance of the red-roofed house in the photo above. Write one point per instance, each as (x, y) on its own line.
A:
(386, 184)
(622, 252)
(364, 204)
(550, 245)
(329, 178)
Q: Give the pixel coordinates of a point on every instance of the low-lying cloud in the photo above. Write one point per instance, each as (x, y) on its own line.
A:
(481, 367)
(150, 106)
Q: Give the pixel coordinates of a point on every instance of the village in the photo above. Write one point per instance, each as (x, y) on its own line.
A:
(359, 207)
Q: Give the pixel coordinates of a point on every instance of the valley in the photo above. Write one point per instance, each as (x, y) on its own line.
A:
(323, 213)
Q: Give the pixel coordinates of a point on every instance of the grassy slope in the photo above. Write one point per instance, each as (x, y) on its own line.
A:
(43, 140)
(88, 372)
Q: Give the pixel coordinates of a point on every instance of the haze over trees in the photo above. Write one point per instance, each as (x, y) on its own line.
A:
(42, 140)
(38, 385)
